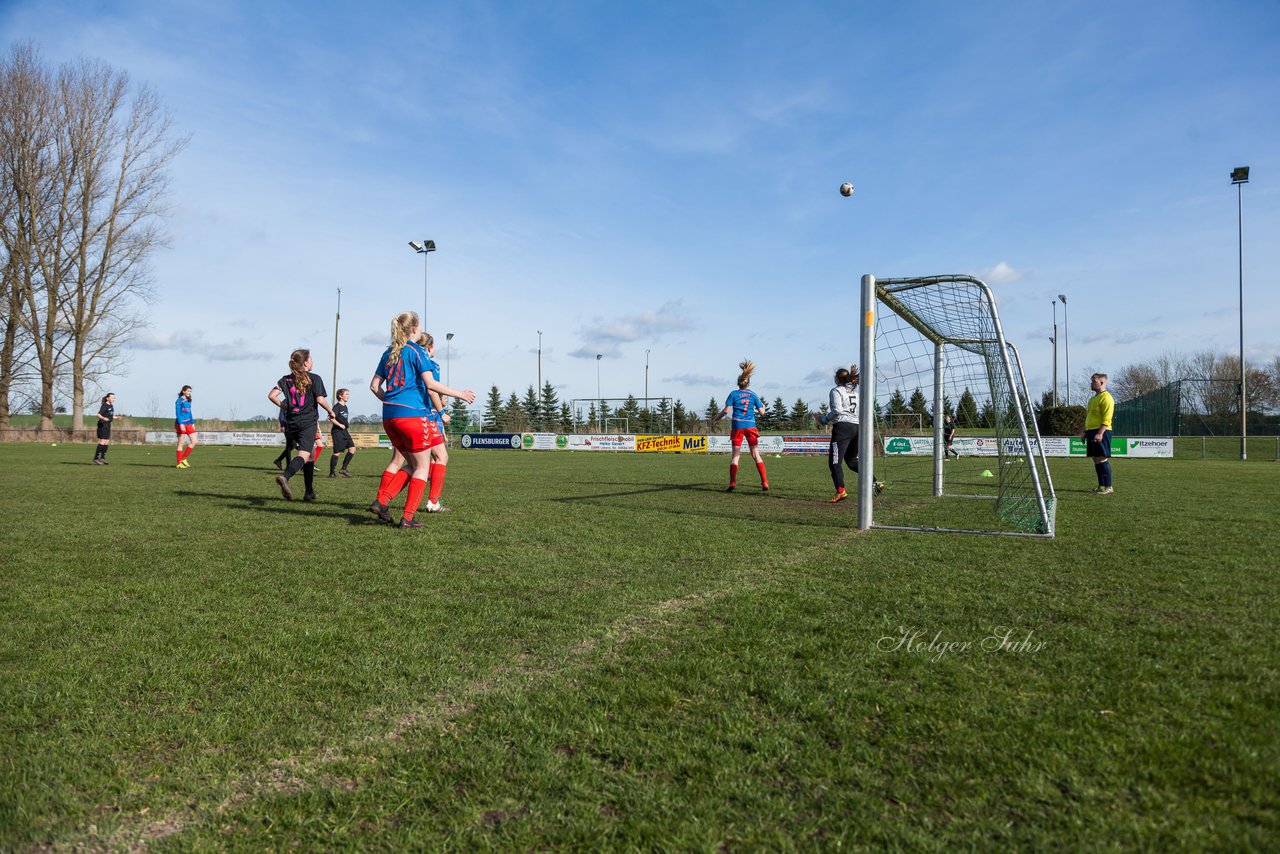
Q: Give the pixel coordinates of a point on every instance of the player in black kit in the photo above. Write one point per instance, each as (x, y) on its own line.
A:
(106, 415)
(342, 440)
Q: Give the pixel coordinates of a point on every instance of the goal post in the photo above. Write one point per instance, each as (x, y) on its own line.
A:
(941, 335)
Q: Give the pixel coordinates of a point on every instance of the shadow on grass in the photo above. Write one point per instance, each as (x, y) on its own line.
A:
(274, 503)
(746, 503)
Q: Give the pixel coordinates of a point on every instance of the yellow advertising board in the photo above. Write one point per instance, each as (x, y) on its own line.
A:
(672, 444)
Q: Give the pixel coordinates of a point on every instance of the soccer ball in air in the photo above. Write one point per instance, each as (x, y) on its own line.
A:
(846, 189)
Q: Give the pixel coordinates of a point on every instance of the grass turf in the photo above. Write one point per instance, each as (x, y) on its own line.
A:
(599, 650)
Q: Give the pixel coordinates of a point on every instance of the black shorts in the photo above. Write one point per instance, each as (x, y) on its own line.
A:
(1094, 448)
(302, 439)
(104, 429)
(341, 440)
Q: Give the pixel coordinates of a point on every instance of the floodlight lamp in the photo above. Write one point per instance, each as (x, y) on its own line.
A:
(1063, 297)
(429, 246)
(415, 246)
(1240, 175)
(599, 356)
(448, 336)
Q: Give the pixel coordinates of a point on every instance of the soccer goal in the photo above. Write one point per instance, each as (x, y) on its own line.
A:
(941, 336)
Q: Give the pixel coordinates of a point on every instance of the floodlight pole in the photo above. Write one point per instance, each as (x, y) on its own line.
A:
(423, 249)
(541, 414)
(1066, 344)
(1054, 339)
(599, 401)
(648, 416)
(448, 336)
(337, 316)
(1240, 177)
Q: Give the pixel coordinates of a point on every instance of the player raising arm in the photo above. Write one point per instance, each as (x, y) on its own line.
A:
(744, 404)
(301, 395)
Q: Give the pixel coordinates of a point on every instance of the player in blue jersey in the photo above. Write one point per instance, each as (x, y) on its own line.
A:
(184, 424)
(402, 382)
(744, 404)
(440, 452)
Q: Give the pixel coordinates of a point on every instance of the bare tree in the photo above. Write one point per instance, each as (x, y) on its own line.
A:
(85, 169)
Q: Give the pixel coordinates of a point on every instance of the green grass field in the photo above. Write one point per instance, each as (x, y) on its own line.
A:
(598, 651)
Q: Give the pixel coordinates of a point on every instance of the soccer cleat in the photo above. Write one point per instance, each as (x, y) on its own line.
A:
(310, 496)
(104, 461)
(283, 483)
(409, 523)
(179, 465)
(436, 507)
(1105, 490)
(838, 497)
(380, 510)
(764, 487)
(730, 489)
(344, 472)
(878, 487)
(279, 465)
(331, 474)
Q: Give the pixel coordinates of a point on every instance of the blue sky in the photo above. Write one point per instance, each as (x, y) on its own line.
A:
(663, 176)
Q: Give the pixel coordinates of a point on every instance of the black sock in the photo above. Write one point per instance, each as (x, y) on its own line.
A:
(308, 475)
(97, 452)
(346, 461)
(333, 464)
(295, 466)
(103, 450)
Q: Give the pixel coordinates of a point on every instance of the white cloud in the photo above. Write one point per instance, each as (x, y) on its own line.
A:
(237, 350)
(1001, 274)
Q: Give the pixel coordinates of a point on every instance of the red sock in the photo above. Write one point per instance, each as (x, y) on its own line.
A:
(187, 452)
(437, 482)
(417, 486)
(764, 481)
(733, 475)
(391, 485)
(179, 452)
(397, 483)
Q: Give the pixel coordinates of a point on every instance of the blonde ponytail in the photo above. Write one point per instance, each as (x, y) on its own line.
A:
(404, 323)
(744, 378)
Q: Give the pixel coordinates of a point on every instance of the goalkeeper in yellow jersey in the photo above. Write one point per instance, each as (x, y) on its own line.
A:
(1097, 431)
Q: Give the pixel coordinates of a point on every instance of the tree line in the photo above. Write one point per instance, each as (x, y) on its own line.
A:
(84, 159)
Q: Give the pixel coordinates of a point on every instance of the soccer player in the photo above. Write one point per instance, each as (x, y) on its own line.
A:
(1097, 431)
(402, 382)
(842, 415)
(342, 440)
(439, 452)
(301, 395)
(744, 404)
(185, 426)
(949, 437)
(106, 414)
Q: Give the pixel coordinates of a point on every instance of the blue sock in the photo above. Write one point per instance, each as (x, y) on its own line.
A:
(1105, 473)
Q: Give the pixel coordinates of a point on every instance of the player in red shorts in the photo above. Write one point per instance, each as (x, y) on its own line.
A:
(184, 424)
(402, 382)
(744, 404)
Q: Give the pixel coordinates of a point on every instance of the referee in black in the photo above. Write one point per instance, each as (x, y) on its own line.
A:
(106, 414)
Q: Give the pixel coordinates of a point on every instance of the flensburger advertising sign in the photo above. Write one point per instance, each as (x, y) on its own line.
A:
(492, 441)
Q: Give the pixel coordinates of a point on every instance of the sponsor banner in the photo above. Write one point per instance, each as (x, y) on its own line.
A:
(672, 444)
(219, 437)
(805, 444)
(1122, 446)
(492, 441)
(577, 442)
(538, 441)
(767, 445)
(1054, 446)
(371, 440)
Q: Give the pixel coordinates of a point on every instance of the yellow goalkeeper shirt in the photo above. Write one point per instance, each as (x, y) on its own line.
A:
(1101, 407)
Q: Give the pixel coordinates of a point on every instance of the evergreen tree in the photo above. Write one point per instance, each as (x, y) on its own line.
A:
(514, 418)
(549, 406)
(987, 418)
(459, 417)
(631, 411)
(592, 417)
(920, 406)
(679, 415)
(779, 419)
(493, 409)
(897, 403)
(713, 409)
(532, 409)
(605, 414)
(967, 410)
(664, 416)
(800, 415)
(566, 419)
